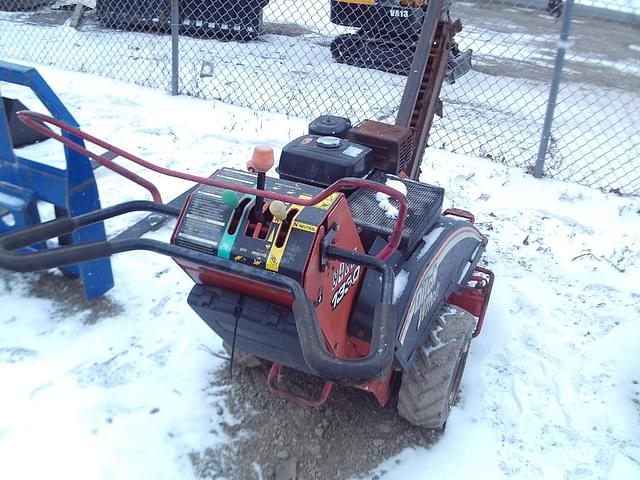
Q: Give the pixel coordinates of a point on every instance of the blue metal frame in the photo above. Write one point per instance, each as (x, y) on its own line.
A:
(72, 191)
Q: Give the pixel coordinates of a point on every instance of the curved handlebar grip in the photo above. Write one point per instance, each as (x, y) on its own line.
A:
(38, 121)
(355, 371)
(57, 257)
(312, 340)
(48, 258)
(36, 234)
(71, 254)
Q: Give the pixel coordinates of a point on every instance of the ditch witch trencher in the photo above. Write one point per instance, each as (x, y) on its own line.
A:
(343, 267)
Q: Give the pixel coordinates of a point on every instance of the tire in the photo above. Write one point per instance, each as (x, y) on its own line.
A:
(245, 360)
(430, 389)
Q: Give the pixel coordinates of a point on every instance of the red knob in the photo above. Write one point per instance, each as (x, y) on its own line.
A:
(261, 160)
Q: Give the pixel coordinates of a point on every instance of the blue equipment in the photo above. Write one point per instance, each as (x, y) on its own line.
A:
(72, 191)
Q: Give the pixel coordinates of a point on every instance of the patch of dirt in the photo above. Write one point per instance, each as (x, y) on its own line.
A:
(277, 439)
(68, 298)
(16, 354)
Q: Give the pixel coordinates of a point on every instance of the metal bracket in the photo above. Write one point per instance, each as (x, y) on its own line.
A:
(276, 389)
(325, 243)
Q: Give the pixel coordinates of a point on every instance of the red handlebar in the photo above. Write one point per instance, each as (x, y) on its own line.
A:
(37, 121)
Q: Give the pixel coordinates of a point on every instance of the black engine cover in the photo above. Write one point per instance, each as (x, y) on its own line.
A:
(321, 161)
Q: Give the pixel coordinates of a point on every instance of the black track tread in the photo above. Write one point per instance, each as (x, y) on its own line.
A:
(245, 360)
(423, 399)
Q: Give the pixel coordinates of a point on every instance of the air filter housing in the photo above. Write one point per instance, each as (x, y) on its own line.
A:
(330, 125)
(391, 145)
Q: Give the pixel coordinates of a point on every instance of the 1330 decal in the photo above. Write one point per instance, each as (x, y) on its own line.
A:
(344, 278)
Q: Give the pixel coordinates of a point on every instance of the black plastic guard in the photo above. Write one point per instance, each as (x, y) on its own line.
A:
(425, 205)
(440, 265)
(265, 330)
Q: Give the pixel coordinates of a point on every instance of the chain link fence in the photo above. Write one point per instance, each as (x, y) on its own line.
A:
(596, 129)
(305, 59)
(56, 34)
(498, 110)
(289, 68)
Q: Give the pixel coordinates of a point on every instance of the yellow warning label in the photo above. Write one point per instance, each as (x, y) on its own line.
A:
(327, 202)
(275, 254)
(305, 226)
(273, 262)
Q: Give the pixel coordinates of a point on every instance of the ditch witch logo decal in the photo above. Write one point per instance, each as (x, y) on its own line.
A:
(424, 298)
(428, 289)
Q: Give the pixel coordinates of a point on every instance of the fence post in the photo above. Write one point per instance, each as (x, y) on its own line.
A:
(175, 78)
(555, 86)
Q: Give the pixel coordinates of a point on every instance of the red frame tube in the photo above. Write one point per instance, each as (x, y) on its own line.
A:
(38, 122)
(475, 299)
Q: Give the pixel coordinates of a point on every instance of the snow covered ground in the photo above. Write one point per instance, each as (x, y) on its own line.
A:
(122, 388)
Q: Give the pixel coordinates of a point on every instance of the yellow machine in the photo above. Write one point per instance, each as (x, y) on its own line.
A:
(388, 34)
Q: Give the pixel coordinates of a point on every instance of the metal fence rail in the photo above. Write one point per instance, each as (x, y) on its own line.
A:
(282, 56)
(499, 111)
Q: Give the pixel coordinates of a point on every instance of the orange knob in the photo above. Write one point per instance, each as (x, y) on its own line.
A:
(261, 160)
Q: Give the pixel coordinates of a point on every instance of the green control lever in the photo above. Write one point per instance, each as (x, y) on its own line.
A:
(230, 198)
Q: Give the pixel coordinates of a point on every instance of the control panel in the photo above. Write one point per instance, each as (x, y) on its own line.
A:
(278, 238)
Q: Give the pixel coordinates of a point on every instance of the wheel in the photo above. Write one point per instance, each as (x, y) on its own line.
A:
(245, 360)
(430, 389)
